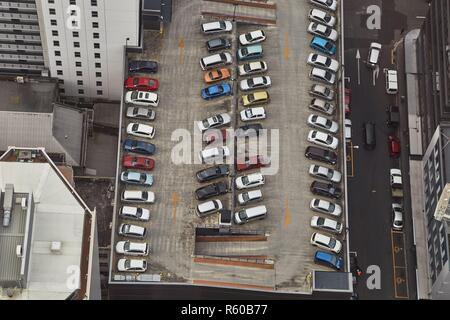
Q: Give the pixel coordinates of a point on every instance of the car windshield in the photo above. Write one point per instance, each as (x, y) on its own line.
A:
(127, 264)
(328, 46)
(327, 18)
(205, 123)
(250, 83)
(244, 51)
(135, 127)
(320, 221)
(248, 113)
(245, 196)
(251, 97)
(247, 67)
(327, 76)
(242, 215)
(331, 207)
(329, 139)
(328, 123)
(222, 24)
(136, 81)
(245, 180)
(248, 37)
(332, 243)
(327, 62)
(126, 246)
(142, 177)
(134, 95)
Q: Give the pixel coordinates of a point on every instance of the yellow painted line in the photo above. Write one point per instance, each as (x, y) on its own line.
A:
(287, 215)
(174, 206)
(181, 49)
(286, 46)
(398, 280)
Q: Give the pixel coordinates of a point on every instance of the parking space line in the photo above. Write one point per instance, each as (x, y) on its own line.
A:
(287, 215)
(350, 158)
(174, 206)
(181, 47)
(399, 280)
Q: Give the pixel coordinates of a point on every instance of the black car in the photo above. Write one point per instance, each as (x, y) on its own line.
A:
(212, 173)
(218, 44)
(321, 154)
(393, 116)
(369, 135)
(326, 189)
(211, 190)
(142, 66)
(249, 130)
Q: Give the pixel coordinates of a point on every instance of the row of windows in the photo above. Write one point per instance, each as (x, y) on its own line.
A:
(74, 2)
(81, 91)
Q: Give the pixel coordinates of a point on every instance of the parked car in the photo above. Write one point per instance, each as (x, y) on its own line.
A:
(322, 92)
(209, 207)
(326, 207)
(250, 214)
(323, 45)
(252, 37)
(325, 173)
(257, 97)
(348, 129)
(142, 66)
(141, 84)
(326, 189)
(252, 68)
(323, 31)
(216, 91)
(325, 224)
(397, 216)
(212, 173)
(142, 98)
(137, 162)
(347, 100)
(322, 123)
(253, 162)
(129, 248)
(216, 60)
(249, 130)
(324, 62)
(134, 177)
(251, 52)
(323, 139)
(217, 44)
(322, 75)
(216, 135)
(369, 135)
(214, 122)
(252, 114)
(391, 81)
(393, 116)
(211, 190)
(255, 83)
(329, 259)
(138, 196)
(320, 154)
(211, 155)
(322, 106)
(140, 147)
(322, 17)
(373, 57)
(141, 130)
(217, 75)
(325, 242)
(141, 113)
(217, 27)
(326, 4)
(251, 196)
(135, 213)
(131, 230)
(249, 181)
(394, 146)
(131, 265)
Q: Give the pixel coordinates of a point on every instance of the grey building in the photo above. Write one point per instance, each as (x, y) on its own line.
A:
(155, 13)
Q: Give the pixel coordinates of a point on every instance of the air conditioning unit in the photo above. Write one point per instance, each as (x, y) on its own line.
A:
(56, 247)
(20, 79)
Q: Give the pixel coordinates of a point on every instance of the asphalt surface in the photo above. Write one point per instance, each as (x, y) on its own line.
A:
(369, 192)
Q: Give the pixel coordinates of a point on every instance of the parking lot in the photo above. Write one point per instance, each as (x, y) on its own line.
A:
(173, 221)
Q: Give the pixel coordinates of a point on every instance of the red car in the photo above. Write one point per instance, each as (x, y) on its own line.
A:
(141, 84)
(138, 162)
(348, 98)
(394, 146)
(211, 135)
(252, 163)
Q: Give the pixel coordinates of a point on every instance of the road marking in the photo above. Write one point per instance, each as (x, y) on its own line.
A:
(286, 46)
(181, 50)
(287, 215)
(375, 75)
(358, 59)
(174, 206)
(350, 158)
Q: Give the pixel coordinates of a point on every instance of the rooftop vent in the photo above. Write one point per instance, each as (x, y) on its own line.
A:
(55, 247)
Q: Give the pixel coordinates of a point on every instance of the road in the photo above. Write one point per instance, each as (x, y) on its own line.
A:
(369, 194)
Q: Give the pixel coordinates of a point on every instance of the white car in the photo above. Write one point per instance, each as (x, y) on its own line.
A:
(249, 181)
(132, 265)
(325, 173)
(212, 154)
(321, 61)
(326, 224)
(374, 54)
(321, 91)
(214, 122)
(326, 4)
(129, 248)
(252, 37)
(321, 16)
(250, 114)
(397, 216)
(250, 197)
(209, 207)
(141, 113)
(142, 98)
(138, 196)
(322, 31)
(217, 26)
(348, 129)
(251, 68)
(322, 75)
(135, 213)
(323, 139)
(322, 106)
(255, 83)
(322, 123)
(325, 242)
(326, 207)
(141, 130)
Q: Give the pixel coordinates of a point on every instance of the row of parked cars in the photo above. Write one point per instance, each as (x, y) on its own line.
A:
(324, 73)
(137, 165)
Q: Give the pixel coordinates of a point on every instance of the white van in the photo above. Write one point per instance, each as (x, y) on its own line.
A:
(216, 60)
(250, 196)
(250, 214)
(391, 81)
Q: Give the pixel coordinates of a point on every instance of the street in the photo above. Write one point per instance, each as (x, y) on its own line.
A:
(370, 218)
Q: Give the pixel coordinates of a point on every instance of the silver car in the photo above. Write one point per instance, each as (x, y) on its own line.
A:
(325, 173)
(397, 216)
(141, 113)
(322, 106)
(325, 224)
(321, 91)
(326, 207)
(322, 123)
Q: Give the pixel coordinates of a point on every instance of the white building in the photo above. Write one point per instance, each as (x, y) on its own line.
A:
(83, 44)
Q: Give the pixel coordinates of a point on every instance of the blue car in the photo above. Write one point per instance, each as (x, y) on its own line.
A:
(323, 45)
(139, 178)
(140, 147)
(328, 259)
(216, 91)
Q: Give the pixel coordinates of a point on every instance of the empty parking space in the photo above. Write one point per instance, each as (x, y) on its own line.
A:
(399, 265)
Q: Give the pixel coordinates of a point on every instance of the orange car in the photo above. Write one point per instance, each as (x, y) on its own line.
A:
(217, 75)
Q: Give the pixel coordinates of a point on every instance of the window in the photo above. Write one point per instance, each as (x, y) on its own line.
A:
(51, 1)
(97, 55)
(94, 14)
(96, 35)
(61, 81)
(79, 73)
(98, 74)
(75, 34)
(55, 33)
(98, 65)
(80, 82)
(78, 64)
(80, 91)
(73, 1)
(96, 45)
(56, 43)
(53, 22)
(77, 54)
(94, 3)
(95, 25)
(99, 83)
(52, 11)
(59, 72)
(58, 63)
(62, 90)
(57, 53)
(99, 92)
(76, 44)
